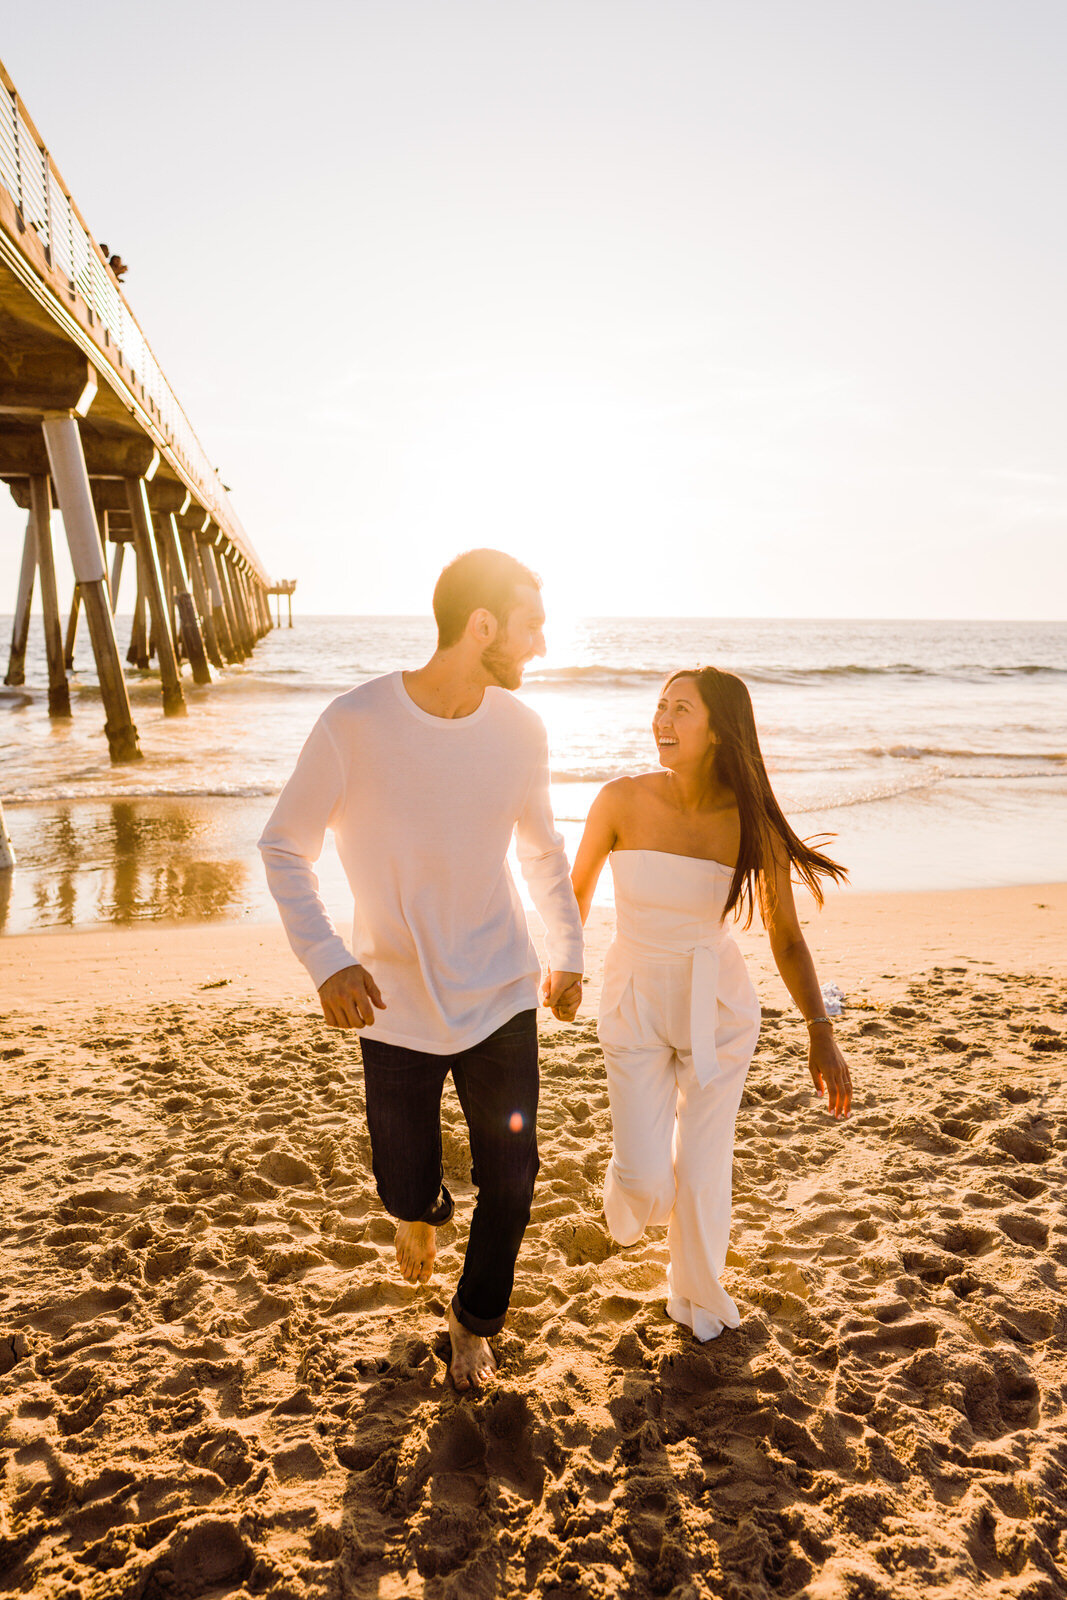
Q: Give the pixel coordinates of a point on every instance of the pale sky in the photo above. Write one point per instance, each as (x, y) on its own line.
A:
(730, 309)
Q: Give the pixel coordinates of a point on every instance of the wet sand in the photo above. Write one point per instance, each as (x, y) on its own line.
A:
(215, 1383)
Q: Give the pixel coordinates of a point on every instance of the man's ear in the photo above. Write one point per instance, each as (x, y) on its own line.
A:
(482, 627)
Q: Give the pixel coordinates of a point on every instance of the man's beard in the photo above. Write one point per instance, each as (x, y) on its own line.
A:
(502, 667)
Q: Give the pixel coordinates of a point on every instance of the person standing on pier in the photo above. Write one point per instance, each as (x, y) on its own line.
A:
(424, 776)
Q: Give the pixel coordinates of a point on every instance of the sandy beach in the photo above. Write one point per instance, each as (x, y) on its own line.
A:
(215, 1382)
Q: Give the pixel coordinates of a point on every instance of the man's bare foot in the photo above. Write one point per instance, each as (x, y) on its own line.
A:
(415, 1250)
(472, 1363)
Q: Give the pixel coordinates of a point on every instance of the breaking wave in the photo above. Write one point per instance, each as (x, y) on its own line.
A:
(622, 676)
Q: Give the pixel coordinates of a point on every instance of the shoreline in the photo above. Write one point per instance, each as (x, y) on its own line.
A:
(862, 941)
(152, 862)
(126, 859)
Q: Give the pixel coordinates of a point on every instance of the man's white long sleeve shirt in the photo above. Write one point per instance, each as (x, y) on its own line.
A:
(423, 809)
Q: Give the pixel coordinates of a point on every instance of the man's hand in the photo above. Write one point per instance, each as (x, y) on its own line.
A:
(349, 997)
(561, 992)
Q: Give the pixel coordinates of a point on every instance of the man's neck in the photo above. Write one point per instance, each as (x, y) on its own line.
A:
(449, 685)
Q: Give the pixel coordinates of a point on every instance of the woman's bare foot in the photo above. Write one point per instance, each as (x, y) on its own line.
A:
(472, 1363)
(415, 1250)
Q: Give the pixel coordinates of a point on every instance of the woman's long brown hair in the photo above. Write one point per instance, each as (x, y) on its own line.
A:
(739, 767)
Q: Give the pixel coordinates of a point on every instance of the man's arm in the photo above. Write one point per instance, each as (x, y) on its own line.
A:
(292, 841)
(544, 866)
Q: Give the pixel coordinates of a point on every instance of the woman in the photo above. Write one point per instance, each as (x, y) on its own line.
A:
(679, 1018)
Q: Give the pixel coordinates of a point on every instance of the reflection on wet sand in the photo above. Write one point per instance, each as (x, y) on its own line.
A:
(129, 861)
(179, 886)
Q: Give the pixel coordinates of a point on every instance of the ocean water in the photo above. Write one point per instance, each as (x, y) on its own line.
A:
(935, 752)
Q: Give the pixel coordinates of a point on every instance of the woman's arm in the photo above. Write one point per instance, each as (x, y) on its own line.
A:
(598, 841)
(828, 1067)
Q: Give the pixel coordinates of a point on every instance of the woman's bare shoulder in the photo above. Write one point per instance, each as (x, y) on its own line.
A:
(626, 800)
(629, 791)
(616, 800)
(647, 786)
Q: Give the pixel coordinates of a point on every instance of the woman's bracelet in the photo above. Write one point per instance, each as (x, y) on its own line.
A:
(811, 1021)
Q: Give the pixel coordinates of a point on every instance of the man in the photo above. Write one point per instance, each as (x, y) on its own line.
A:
(423, 777)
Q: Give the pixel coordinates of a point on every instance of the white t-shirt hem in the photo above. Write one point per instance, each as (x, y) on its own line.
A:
(457, 1043)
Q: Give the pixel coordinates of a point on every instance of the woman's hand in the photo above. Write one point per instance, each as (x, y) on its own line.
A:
(829, 1070)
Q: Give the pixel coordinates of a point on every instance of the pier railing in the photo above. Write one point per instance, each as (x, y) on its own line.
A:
(47, 213)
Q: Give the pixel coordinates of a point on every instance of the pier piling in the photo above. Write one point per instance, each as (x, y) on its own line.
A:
(20, 632)
(116, 574)
(137, 654)
(41, 512)
(195, 568)
(71, 478)
(219, 610)
(72, 629)
(192, 638)
(284, 587)
(152, 588)
(237, 579)
(241, 644)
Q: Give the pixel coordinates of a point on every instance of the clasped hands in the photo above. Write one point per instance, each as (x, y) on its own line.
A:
(561, 992)
(349, 998)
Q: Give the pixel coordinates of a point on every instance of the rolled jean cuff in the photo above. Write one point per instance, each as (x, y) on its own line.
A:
(441, 1210)
(484, 1326)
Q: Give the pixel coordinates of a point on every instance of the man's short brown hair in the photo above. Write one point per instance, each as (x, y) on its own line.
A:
(475, 581)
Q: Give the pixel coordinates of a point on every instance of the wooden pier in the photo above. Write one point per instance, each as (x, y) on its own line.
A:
(284, 587)
(89, 427)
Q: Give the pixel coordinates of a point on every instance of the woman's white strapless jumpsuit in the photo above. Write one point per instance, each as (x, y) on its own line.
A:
(679, 1020)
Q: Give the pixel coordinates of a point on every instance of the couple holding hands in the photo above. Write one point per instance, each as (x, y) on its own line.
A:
(424, 777)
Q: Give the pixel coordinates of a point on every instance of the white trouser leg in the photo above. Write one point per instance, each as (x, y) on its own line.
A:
(699, 1233)
(639, 1182)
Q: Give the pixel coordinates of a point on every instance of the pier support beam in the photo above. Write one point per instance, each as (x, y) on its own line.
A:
(152, 587)
(20, 632)
(241, 642)
(41, 511)
(170, 597)
(219, 612)
(67, 461)
(248, 586)
(192, 638)
(116, 574)
(244, 621)
(245, 592)
(137, 654)
(195, 568)
(72, 628)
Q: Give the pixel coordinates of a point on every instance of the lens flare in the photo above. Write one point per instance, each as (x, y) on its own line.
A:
(515, 1122)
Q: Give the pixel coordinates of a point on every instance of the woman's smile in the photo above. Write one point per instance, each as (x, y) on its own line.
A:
(680, 725)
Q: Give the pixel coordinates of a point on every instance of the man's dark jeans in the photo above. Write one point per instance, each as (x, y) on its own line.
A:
(496, 1081)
